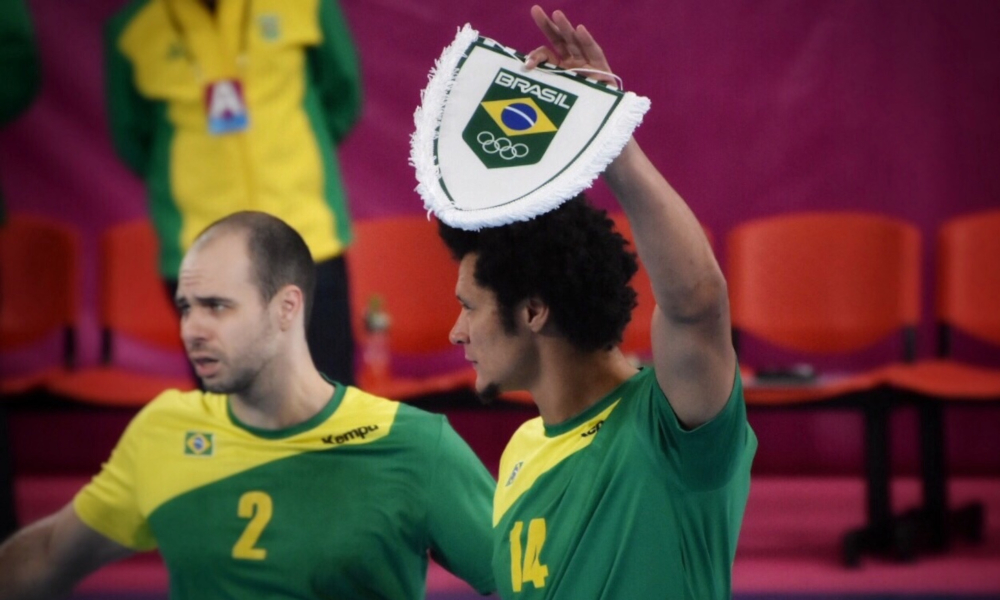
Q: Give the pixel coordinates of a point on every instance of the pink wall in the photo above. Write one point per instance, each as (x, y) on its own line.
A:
(758, 108)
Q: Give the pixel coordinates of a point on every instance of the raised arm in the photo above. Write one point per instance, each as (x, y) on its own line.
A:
(693, 353)
(46, 559)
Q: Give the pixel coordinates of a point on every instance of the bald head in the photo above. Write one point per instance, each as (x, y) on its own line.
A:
(278, 254)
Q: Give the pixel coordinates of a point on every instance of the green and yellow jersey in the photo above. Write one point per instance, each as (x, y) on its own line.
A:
(295, 66)
(20, 65)
(19, 60)
(349, 504)
(622, 502)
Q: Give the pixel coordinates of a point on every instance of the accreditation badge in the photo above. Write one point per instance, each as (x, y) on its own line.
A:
(495, 143)
(226, 107)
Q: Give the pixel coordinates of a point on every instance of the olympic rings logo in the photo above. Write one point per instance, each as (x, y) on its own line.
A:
(501, 146)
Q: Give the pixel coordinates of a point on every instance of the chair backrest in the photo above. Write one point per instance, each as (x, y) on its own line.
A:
(402, 260)
(38, 281)
(637, 337)
(134, 299)
(968, 275)
(824, 282)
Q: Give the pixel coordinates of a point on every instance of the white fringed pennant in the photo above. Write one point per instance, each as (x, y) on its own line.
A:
(495, 143)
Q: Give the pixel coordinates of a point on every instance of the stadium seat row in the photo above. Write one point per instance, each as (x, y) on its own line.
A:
(814, 283)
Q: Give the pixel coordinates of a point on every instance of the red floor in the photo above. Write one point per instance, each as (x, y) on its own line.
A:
(790, 542)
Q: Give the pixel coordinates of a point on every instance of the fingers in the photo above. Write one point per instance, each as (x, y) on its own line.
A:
(544, 23)
(567, 35)
(550, 30)
(540, 55)
(573, 46)
(592, 52)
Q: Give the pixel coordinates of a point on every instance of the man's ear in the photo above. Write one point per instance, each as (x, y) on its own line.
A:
(289, 303)
(536, 313)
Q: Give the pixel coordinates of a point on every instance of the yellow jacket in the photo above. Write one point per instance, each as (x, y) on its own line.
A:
(296, 65)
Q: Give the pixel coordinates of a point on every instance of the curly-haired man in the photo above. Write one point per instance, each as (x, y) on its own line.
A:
(632, 482)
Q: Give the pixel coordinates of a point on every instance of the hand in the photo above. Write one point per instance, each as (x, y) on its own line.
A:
(573, 48)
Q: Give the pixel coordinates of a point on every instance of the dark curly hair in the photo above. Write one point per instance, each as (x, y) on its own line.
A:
(571, 258)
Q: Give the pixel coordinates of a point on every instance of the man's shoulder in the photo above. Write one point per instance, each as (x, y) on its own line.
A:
(531, 428)
(406, 419)
(360, 397)
(640, 395)
(129, 11)
(138, 23)
(181, 403)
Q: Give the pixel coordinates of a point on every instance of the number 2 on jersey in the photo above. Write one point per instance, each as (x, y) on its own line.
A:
(257, 507)
(526, 566)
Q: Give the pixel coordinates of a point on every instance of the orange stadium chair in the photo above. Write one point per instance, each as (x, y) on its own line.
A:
(401, 261)
(828, 283)
(636, 339)
(968, 298)
(133, 305)
(38, 293)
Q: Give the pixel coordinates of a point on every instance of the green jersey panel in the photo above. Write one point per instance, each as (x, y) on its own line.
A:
(622, 502)
(349, 504)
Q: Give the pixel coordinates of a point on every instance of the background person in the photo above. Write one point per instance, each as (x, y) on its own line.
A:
(229, 105)
(21, 71)
(275, 478)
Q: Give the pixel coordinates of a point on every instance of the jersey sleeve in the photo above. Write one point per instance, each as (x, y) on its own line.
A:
(108, 504)
(334, 67)
(19, 61)
(130, 116)
(459, 511)
(708, 456)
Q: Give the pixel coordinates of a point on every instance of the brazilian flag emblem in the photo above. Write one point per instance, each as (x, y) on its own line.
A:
(516, 121)
(270, 27)
(197, 443)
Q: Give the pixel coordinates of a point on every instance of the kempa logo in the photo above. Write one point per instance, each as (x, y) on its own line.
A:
(593, 430)
(353, 434)
(197, 443)
(516, 121)
(514, 472)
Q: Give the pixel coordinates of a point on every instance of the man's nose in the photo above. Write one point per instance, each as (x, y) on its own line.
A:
(193, 328)
(457, 334)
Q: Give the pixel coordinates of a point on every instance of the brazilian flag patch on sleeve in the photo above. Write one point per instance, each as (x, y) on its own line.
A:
(197, 443)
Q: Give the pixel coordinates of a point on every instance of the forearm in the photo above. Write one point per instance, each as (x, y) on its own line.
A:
(687, 281)
(47, 559)
(26, 571)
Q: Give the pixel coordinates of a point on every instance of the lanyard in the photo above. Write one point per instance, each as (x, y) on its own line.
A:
(182, 35)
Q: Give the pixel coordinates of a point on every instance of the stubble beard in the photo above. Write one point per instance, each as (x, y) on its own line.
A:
(247, 372)
(489, 394)
(238, 383)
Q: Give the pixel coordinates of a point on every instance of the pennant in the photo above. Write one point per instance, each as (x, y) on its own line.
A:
(495, 143)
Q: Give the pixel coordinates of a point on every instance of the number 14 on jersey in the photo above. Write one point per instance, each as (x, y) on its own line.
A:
(526, 565)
